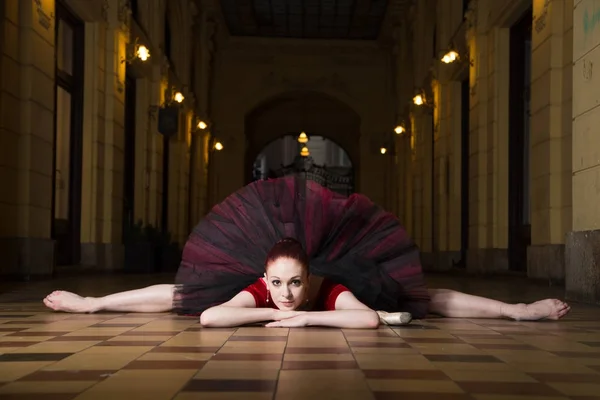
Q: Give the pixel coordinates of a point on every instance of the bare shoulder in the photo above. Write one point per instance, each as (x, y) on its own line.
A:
(242, 299)
(347, 301)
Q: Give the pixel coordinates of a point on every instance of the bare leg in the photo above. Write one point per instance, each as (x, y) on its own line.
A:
(156, 298)
(452, 304)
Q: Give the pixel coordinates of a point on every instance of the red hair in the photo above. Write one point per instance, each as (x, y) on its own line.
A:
(288, 248)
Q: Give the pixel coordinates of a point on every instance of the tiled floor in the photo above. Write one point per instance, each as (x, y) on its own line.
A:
(160, 356)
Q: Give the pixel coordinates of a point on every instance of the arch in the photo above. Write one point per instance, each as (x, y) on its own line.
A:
(265, 95)
(292, 112)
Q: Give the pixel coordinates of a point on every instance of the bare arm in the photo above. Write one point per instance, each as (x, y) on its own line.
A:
(240, 310)
(349, 313)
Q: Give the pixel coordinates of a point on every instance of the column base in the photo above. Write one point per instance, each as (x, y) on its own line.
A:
(487, 261)
(27, 258)
(582, 266)
(103, 256)
(546, 261)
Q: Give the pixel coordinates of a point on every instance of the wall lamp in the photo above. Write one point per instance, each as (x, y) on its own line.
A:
(139, 51)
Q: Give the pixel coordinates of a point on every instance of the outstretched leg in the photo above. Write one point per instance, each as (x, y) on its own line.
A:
(156, 298)
(453, 304)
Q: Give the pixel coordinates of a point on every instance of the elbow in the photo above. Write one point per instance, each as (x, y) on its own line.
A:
(207, 319)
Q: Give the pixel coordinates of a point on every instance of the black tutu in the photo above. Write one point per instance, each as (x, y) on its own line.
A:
(349, 240)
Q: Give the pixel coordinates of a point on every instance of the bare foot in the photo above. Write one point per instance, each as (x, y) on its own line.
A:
(551, 309)
(69, 302)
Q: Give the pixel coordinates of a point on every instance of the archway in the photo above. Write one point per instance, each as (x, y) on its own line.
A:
(319, 159)
(331, 126)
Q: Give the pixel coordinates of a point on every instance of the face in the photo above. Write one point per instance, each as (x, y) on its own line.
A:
(288, 283)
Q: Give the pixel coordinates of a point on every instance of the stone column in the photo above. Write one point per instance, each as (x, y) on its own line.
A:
(27, 132)
(112, 127)
(582, 268)
(551, 147)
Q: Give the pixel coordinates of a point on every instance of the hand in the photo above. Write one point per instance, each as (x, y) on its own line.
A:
(281, 315)
(293, 322)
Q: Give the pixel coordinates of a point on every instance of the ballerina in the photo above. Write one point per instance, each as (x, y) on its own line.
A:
(349, 241)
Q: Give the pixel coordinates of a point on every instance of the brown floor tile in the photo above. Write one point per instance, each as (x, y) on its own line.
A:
(503, 346)
(9, 357)
(38, 333)
(417, 374)
(118, 343)
(577, 354)
(80, 338)
(397, 345)
(25, 322)
(17, 344)
(138, 332)
(318, 350)
(414, 326)
(462, 358)
(184, 349)
(37, 396)
(420, 396)
(296, 365)
(109, 325)
(565, 377)
(165, 364)
(199, 328)
(369, 333)
(509, 388)
(14, 329)
(432, 340)
(247, 357)
(491, 335)
(74, 375)
(229, 385)
(591, 344)
(258, 338)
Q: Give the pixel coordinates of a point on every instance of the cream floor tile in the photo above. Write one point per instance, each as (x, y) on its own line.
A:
(175, 356)
(45, 387)
(486, 376)
(413, 385)
(376, 361)
(223, 396)
(13, 370)
(57, 347)
(155, 384)
(324, 384)
(213, 370)
(253, 348)
(318, 357)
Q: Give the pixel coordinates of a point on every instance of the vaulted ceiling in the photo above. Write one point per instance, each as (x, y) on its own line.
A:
(307, 19)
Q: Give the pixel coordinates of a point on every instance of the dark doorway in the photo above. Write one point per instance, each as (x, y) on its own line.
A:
(519, 235)
(129, 154)
(68, 128)
(464, 170)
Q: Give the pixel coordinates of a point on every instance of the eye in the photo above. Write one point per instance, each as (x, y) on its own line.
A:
(276, 282)
(297, 282)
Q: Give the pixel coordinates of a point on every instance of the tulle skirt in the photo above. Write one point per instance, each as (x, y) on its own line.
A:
(350, 240)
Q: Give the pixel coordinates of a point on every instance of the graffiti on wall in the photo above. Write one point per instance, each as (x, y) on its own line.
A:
(591, 17)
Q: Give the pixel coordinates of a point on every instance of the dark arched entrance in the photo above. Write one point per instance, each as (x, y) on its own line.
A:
(319, 159)
(331, 126)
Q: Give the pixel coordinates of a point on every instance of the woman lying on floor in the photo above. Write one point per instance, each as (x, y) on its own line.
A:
(282, 296)
(364, 256)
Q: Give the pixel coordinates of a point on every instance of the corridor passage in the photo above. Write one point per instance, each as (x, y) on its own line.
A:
(50, 356)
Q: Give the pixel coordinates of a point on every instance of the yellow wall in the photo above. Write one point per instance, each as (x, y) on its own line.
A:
(482, 39)
(28, 104)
